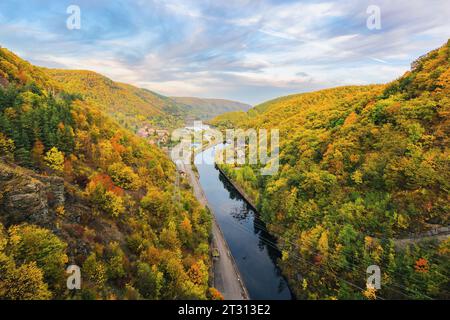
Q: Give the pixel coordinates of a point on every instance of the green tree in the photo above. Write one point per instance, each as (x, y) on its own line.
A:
(149, 281)
(115, 261)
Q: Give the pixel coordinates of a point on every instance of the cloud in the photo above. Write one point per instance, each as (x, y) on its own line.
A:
(249, 50)
(302, 74)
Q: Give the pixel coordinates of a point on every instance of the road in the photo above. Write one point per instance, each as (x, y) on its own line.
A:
(226, 275)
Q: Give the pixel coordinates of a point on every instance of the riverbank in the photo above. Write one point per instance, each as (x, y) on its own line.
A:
(227, 278)
(251, 246)
(244, 195)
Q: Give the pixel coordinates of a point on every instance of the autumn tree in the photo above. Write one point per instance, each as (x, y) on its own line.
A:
(23, 283)
(54, 159)
(215, 294)
(198, 273)
(29, 243)
(6, 147)
(123, 176)
(115, 258)
(95, 271)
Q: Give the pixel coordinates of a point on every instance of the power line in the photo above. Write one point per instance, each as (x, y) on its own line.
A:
(261, 225)
(269, 243)
(274, 245)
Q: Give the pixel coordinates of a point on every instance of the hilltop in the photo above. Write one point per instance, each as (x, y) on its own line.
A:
(130, 106)
(135, 107)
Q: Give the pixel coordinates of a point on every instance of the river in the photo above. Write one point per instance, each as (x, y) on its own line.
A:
(250, 244)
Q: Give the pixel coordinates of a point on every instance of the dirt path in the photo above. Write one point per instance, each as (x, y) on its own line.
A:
(226, 275)
(436, 232)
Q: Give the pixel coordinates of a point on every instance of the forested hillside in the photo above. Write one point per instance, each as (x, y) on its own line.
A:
(76, 188)
(209, 108)
(132, 107)
(360, 169)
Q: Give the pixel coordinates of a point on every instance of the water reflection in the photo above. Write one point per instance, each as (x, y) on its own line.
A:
(251, 245)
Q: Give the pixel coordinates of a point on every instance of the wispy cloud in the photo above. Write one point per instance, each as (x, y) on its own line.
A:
(250, 50)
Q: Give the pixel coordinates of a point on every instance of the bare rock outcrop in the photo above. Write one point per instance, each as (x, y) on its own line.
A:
(27, 197)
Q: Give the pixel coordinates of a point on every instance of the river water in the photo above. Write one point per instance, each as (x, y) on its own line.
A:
(250, 244)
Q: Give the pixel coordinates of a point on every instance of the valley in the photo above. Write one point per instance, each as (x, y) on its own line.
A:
(86, 179)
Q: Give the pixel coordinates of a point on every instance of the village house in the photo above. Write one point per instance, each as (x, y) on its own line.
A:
(146, 131)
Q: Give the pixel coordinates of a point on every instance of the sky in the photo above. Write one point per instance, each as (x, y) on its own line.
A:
(246, 50)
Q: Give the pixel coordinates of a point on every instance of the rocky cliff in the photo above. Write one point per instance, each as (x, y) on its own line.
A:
(28, 197)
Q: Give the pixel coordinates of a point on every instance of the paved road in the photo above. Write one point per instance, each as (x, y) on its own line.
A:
(226, 275)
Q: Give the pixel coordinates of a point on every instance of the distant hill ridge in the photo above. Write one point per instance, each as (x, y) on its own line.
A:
(134, 107)
(202, 108)
(130, 105)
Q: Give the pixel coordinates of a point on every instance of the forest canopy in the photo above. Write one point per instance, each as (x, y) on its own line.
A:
(364, 171)
(94, 195)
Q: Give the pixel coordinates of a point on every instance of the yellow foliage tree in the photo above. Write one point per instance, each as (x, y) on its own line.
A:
(54, 159)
